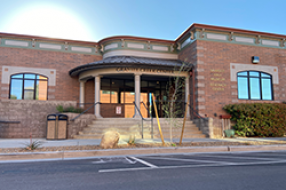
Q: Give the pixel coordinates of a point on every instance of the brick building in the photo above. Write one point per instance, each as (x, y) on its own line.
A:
(225, 65)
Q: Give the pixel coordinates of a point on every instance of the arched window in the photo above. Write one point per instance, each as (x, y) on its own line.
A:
(28, 86)
(254, 85)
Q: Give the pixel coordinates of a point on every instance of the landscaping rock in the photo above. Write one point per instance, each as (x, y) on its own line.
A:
(109, 139)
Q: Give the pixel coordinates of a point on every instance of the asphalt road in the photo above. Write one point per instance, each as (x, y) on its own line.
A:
(260, 170)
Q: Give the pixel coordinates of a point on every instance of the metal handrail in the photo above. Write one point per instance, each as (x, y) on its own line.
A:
(3, 121)
(147, 110)
(196, 113)
(141, 117)
(137, 110)
(150, 119)
(86, 110)
(143, 120)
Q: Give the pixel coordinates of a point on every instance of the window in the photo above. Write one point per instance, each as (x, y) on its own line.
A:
(254, 85)
(28, 86)
(114, 90)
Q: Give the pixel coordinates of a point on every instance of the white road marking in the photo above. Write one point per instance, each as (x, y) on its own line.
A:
(144, 162)
(238, 157)
(119, 159)
(272, 154)
(130, 161)
(98, 162)
(189, 160)
(192, 166)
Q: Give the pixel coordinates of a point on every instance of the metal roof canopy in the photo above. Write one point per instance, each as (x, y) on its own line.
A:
(129, 61)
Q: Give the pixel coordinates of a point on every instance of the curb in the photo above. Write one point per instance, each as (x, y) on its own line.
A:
(66, 155)
(257, 148)
(30, 156)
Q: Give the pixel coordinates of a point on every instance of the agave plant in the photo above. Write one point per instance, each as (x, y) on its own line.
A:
(33, 146)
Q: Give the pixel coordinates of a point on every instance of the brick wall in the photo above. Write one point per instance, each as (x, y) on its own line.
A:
(66, 88)
(214, 60)
(32, 115)
(212, 87)
(189, 55)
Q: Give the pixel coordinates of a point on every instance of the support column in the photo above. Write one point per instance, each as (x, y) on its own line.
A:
(97, 96)
(187, 91)
(81, 93)
(137, 95)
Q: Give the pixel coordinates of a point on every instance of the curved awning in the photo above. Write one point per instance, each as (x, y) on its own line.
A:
(129, 61)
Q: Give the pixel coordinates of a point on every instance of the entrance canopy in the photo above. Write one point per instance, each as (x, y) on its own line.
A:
(122, 80)
(131, 62)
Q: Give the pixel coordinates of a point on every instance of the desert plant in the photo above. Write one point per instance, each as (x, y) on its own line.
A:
(32, 145)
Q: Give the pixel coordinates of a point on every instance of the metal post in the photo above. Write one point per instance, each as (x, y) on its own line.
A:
(142, 129)
(56, 127)
(152, 128)
(222, 127)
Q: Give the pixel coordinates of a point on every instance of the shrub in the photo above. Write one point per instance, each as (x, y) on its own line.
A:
(258, 119)
(71, 109)
(13, 97)
(60, 108)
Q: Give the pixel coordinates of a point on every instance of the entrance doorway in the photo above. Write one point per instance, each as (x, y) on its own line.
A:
(162, 88)
(149, 109)
(117, 95)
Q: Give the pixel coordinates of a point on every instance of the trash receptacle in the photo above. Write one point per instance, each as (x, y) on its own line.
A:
(57, 126)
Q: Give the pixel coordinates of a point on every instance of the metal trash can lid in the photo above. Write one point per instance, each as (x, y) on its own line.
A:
(60, 116)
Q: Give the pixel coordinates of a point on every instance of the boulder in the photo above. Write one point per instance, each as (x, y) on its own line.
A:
(109, 139)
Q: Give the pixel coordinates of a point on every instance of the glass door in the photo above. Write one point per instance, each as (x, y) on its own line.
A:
(147, 109)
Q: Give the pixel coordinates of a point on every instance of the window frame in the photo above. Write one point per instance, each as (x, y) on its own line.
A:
(260, 77)
(23, 84)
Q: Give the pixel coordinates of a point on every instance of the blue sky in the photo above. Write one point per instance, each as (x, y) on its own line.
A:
(93, 20)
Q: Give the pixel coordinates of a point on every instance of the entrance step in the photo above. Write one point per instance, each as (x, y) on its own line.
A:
(133, 126)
